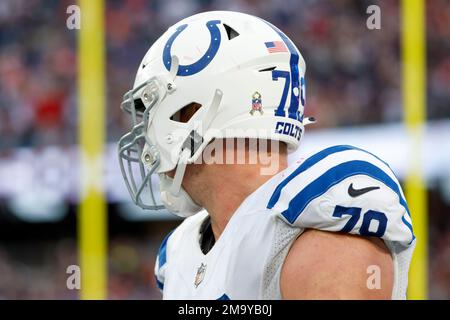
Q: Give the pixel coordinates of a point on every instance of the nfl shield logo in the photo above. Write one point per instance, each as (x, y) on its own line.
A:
(256, 103)
(200, 275)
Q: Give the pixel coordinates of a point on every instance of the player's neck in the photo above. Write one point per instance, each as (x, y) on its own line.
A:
(230, 187)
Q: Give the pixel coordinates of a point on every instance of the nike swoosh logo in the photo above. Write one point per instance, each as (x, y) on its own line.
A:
(357, 192)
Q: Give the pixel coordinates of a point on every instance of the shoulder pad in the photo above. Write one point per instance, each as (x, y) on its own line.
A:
(345, 189)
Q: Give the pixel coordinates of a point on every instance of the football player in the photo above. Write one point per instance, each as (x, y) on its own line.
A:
(334, 225)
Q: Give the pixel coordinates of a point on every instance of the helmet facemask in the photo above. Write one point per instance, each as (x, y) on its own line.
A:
(139, 157)
(135, 148)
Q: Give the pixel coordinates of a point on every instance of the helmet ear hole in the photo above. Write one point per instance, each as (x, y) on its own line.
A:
(186, 113)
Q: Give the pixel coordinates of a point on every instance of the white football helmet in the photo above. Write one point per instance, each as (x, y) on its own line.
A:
(246, 78)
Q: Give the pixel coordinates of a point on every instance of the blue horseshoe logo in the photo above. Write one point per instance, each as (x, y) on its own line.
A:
(187, 70)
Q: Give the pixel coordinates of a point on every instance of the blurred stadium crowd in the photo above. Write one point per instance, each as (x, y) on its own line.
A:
(39, 271)
(353, 78)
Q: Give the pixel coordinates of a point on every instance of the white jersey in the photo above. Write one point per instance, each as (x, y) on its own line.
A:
(340, 189)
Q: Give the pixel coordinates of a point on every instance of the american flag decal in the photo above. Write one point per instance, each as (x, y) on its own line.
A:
(276, 46)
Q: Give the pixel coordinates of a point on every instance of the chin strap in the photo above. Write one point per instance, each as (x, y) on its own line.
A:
(213, 107)
(174, 197)
(192, 144)
(179, 173)
(172, 193)
(195, 141)
(181, 204)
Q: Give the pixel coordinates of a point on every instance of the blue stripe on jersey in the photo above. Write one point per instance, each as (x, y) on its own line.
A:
(308, 163)
(159, 284)
(162, 251)
(409, 227)
(332, 177)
